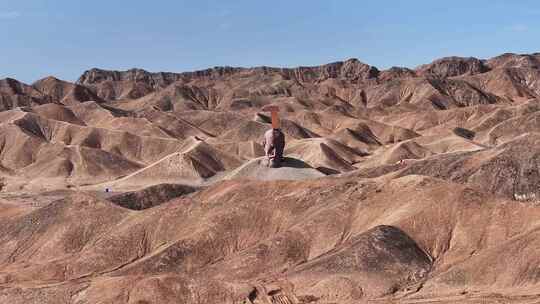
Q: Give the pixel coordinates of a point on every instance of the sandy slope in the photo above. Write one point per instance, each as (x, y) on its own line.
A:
(399, 186)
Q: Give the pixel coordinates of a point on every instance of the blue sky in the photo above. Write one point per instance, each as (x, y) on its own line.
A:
(66, 37)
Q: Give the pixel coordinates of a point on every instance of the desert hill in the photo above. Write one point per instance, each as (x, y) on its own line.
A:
(399, 186)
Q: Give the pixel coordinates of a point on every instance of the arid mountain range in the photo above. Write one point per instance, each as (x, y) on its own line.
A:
(399, 186)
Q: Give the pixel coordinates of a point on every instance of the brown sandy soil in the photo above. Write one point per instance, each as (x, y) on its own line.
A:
(399, 186)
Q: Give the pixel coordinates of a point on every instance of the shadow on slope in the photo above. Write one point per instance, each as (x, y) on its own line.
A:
(151, 196)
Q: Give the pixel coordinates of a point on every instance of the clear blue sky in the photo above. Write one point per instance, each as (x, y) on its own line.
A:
(66, 37)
